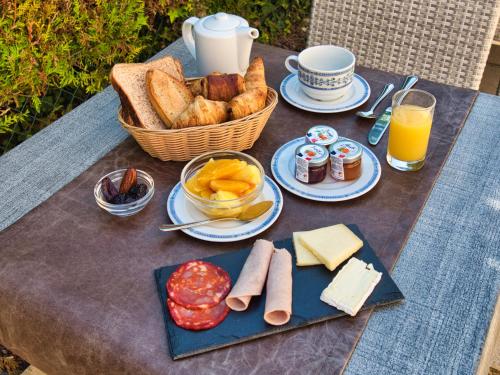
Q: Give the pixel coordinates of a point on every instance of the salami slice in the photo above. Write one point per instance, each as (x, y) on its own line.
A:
(198, 285)
(197, 320)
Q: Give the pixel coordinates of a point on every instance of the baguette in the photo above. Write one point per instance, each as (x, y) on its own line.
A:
(129, 81)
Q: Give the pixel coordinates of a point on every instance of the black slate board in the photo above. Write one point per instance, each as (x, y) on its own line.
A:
(307, 308)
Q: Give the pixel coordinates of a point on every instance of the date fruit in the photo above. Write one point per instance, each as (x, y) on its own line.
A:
(129, 191)
(108, 190)
(129, 180)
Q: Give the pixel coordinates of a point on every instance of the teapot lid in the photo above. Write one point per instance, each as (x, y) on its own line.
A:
(223, 22)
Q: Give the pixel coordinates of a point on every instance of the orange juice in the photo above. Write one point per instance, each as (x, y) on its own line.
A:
(409, 132)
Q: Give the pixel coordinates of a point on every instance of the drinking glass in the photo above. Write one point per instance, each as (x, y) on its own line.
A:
(410, 128)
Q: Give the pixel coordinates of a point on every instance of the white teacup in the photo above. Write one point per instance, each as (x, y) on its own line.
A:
(324, 72)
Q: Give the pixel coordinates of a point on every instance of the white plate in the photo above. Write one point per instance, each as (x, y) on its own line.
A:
(180, 210)
(330, 190)
(293, 94)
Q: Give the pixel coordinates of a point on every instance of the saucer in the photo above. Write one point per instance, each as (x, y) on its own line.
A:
(180, 210)
(329, 190)
(293, 94)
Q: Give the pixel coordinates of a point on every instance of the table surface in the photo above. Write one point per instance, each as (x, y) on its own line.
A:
(73, 260)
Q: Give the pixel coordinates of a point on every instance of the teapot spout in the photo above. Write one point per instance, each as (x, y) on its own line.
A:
(246, 35)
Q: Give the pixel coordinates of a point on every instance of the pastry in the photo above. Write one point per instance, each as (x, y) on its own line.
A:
(202, 112)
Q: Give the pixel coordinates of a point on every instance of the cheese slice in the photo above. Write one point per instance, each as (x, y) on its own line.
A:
(304, 256)
(354, 283)
(331, 245)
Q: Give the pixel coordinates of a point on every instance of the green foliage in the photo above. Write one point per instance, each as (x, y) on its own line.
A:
(46, 45)
(55, 53)
(277, 20)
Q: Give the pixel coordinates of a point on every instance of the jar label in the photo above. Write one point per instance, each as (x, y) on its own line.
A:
(337, 167)
(301, 169)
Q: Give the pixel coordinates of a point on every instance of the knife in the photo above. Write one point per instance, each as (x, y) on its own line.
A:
(380, 126)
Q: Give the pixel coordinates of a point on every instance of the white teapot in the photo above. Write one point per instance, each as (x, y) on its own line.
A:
(219, 43)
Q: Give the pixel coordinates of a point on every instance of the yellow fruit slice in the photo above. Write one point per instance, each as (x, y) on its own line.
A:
(227, 169)
(237, 187)
(248, 191)
(249, 174)
(193, 186)
(222, 195)
(206, 193)
(217, 169)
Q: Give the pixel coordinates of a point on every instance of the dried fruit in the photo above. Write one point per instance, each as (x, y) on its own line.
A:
(119, 199)
(129, 199)
(108, 190)
(142, 190)
(129, 180)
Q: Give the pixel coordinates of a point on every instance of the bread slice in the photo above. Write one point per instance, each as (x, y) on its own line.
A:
(129, 81)
(168, 96)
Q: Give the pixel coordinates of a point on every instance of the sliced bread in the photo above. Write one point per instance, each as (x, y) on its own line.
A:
(129, 80)
(168, 96)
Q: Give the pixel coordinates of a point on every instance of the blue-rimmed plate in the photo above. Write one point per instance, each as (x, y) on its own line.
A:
(293, 94)
(330, 190)
(180, 210)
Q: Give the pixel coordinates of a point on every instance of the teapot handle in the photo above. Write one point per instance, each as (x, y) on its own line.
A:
(187, 34)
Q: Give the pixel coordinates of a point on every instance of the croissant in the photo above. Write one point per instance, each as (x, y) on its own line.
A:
(255, 76)
(217, 86)
(247, 103)
(202, 112)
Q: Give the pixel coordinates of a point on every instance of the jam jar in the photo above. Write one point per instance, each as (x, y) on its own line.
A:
(311, 163)
(345, 157)
(322, 135)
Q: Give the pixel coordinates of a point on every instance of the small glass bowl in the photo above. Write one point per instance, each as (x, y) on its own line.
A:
(126, 209)
(222, 208)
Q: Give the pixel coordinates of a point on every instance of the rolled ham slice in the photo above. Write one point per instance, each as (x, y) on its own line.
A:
(279, 289)
(252, 276)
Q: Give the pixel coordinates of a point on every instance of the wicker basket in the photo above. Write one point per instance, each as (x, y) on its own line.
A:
(185, 144)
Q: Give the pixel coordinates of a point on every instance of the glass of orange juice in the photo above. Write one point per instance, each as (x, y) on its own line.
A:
(410, 128)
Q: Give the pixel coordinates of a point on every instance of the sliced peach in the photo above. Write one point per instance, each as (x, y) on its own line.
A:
(206, 193)
(222, 195)
(216, 169)
(224, 170)
(249, 174)
(193, 186)
(237, 187)
(248, 191)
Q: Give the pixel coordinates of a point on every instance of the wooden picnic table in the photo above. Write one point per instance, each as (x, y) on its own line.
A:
(77, 293)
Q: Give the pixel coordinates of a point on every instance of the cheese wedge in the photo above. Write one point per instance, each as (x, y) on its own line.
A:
(354, 283)
(304, 256)
(331, 245)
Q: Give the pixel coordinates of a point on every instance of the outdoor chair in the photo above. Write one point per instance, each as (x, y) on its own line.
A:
(446, 41)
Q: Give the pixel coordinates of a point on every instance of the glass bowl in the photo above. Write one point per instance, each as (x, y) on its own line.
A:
(126, 209)
(220, 208)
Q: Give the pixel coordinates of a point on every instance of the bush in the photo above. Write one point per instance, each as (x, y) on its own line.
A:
(55, 53)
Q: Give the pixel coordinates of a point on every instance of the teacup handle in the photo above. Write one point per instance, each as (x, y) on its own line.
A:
(290, 68)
